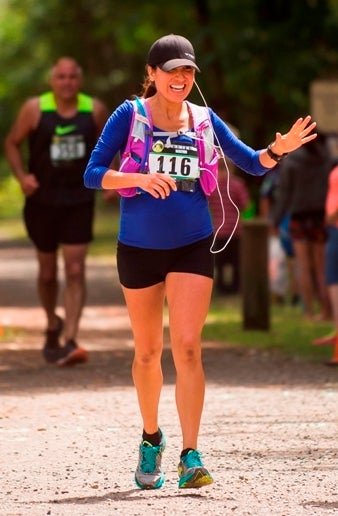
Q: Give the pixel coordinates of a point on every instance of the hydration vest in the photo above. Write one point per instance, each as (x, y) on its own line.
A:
(140, 139)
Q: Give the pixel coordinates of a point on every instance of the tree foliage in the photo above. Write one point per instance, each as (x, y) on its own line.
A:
(257, 57)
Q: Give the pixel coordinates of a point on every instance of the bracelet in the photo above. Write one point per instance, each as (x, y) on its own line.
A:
(274, 156)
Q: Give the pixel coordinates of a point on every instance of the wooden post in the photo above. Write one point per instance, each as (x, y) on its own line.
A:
(254, 274)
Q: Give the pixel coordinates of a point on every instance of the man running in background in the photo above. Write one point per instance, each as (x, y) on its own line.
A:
(61, 128)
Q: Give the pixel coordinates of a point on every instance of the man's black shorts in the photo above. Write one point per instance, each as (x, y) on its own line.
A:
(50, 226)
(140, 268)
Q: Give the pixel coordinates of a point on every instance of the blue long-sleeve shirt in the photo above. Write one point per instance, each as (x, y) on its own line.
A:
(183, 217)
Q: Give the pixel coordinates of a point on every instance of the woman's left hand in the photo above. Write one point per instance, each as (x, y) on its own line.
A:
(299, 134)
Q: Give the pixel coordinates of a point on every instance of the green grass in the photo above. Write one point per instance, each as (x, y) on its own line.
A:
(288, 332)
(105, 229)
(11, 200)
(11, 197)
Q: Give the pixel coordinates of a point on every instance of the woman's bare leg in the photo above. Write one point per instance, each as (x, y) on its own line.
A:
(188, 298)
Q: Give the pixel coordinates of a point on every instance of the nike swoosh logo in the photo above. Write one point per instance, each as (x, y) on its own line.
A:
(61, 130)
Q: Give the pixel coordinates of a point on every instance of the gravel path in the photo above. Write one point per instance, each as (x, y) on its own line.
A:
(69, 438)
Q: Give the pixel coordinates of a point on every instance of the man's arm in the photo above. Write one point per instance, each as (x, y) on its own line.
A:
(25, 122)
(100, 114)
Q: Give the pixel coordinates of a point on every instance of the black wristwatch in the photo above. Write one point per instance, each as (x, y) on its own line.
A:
(275, 157)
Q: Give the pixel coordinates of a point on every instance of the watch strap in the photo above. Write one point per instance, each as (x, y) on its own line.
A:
(274, 156)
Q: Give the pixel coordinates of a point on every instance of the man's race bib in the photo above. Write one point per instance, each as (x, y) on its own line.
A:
(67, 148)
(178, 161)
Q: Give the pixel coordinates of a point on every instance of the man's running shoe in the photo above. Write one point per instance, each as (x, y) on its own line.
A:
(327, 340)
(148, 474)
(72, 354)
(52, 350)
(192, 473)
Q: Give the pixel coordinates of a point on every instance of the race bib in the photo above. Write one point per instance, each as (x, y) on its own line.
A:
(67, 148)
(178, 161)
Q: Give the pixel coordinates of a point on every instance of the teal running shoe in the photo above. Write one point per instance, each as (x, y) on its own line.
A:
(191, 472)
(149, 474)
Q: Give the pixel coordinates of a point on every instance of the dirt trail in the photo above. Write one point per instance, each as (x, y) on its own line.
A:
(69, 438)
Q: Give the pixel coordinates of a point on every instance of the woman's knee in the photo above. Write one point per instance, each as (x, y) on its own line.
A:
(148, 357)
(187, 352)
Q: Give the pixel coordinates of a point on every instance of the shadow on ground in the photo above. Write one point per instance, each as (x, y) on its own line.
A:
(22, 368)
(105, 333)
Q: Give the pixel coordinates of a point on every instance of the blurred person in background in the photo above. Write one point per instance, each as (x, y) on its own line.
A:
(61, 128)
(331, 262)
(301, 193)
(282, 262)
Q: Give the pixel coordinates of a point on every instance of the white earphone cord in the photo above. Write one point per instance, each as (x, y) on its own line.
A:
(218, 189)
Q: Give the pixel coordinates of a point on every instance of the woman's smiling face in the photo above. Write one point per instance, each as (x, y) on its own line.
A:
(174, 85)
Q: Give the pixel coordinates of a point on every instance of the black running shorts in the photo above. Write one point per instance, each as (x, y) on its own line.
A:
(141, 268)
(50, 226)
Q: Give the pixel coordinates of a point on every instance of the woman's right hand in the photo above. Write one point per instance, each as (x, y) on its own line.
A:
(157, 185)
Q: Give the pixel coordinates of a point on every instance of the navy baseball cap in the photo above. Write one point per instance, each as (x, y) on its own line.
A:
(172, 51)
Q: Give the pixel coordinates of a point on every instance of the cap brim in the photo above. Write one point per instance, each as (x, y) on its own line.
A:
(175, 63)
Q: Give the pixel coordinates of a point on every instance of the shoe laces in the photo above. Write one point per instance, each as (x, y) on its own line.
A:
(192, 459)
(149, 457)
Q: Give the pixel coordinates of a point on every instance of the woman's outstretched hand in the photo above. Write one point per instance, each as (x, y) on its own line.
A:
(299, 134)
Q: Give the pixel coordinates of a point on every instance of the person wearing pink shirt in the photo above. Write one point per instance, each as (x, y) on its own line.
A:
(331, 261)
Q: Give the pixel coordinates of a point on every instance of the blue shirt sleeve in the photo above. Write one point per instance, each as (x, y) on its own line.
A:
(112, 141)
(246, 158)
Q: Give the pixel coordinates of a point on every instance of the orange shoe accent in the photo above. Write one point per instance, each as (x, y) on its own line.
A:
(78, 356)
